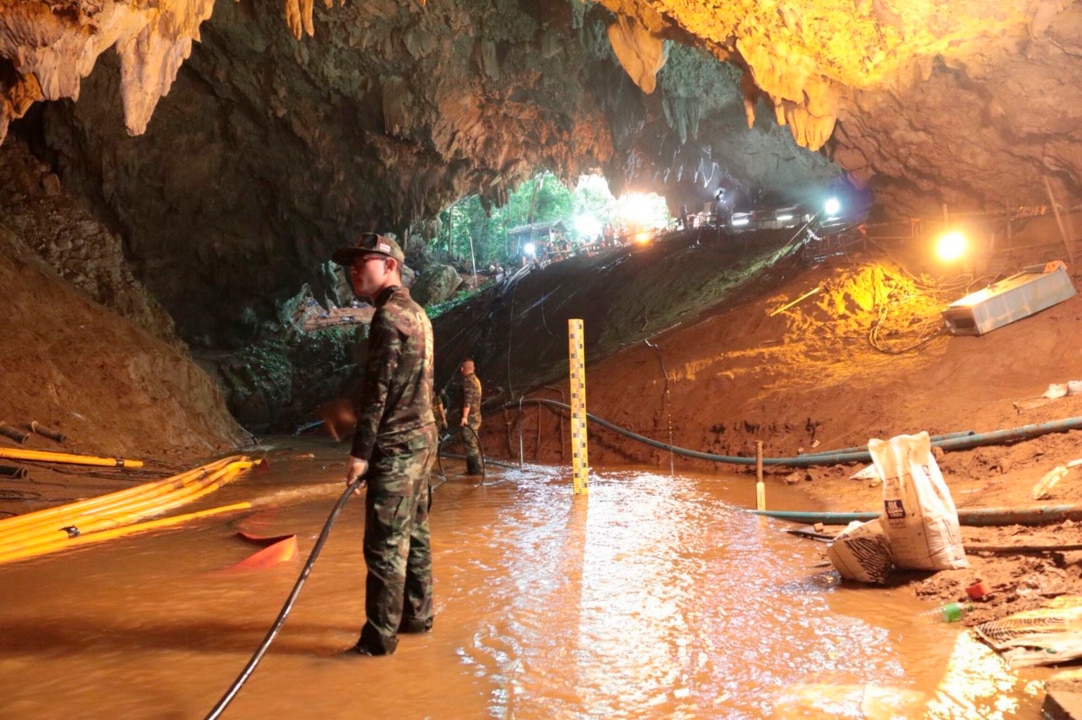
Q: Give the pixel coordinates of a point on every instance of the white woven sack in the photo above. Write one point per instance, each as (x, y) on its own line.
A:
(920, 520)
(861, 552)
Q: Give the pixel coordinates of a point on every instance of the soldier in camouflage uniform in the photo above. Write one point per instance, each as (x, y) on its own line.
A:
(394, 447)
(471, 417)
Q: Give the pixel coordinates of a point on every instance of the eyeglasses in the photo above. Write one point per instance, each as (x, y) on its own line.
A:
(358, 263)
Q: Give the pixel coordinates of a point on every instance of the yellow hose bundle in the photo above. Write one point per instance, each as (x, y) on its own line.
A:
(118, 513)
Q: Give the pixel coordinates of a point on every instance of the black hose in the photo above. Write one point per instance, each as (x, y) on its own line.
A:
(952, 441)
(287, 607)
(19, 436)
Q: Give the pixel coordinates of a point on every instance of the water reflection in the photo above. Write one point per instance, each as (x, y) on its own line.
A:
(977, 684)
(653, 596)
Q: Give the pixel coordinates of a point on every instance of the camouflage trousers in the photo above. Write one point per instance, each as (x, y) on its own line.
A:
(473, 445)
(397, 548)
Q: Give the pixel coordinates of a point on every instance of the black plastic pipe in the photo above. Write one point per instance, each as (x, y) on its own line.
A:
(47, 432)
(934, 438)
(14, 433)
(952, 441)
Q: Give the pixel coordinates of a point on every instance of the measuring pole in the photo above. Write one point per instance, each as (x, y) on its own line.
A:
(577, 357)
(760, 488)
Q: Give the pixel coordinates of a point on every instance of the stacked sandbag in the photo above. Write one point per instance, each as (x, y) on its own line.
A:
(919, 529)
(861, 552)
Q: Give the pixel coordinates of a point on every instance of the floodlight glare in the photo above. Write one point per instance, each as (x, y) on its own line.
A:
(530, 249)
(951, 246)
(587, 226)
(832, 207)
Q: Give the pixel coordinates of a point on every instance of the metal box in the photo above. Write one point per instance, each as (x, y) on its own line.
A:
(1013, 298)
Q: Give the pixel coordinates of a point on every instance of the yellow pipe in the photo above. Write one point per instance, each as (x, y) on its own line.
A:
(89, 523)
(101, 505)
(42, 456)
(29, 533)
(44, 530)
(65, 543)
(105, 501)
(187, 495)
(48, 540)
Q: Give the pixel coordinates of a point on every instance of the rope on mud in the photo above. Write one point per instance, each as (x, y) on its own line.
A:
(874, 341)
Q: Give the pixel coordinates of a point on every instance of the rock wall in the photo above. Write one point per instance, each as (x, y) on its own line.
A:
(980, 132)
(107, 384)
(964, 102)
(292, 127)
(63, 232)
(269, 151)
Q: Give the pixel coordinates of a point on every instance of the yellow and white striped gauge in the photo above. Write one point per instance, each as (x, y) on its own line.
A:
(577, 356)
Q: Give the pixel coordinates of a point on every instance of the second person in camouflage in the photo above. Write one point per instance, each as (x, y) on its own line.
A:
(471, 417)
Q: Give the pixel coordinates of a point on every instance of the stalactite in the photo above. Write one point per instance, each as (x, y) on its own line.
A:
(640, 52)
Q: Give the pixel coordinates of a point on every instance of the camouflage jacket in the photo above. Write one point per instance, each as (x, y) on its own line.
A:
(395, 404)
(471, 397)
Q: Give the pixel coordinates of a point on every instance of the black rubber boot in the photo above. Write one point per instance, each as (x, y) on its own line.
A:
(473, 466)
(372, 643)
(413, 625)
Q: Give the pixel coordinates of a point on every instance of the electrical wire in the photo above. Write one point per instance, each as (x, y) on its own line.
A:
(665, 396)
(510, 328)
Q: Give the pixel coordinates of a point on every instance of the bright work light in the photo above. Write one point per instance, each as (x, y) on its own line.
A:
(951, 246)
(529, 249)
(832, 207)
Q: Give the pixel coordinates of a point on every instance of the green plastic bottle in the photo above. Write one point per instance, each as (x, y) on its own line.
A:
(951, 612)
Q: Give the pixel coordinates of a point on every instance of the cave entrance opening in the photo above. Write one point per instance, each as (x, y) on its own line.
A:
(543, 220)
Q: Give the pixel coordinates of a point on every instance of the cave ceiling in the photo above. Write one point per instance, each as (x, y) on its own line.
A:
(234, 144)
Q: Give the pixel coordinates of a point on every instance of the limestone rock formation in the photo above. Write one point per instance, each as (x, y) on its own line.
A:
(270, 150)
(436, 284)
(931, 101)
(640, 52)
(53, 45)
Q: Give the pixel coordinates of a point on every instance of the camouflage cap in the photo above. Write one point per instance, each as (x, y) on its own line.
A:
(369, 244)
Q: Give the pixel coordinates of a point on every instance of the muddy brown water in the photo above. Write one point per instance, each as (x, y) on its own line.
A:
(651, 597)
